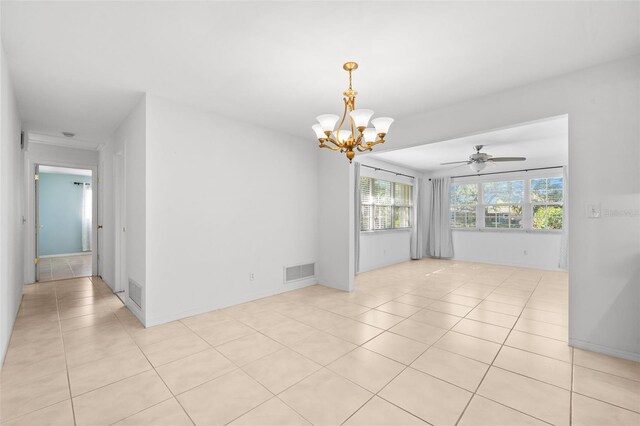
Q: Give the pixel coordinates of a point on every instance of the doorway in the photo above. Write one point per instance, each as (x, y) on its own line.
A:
(64, 201)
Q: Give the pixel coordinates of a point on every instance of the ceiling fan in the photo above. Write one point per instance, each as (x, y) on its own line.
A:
(479, 160)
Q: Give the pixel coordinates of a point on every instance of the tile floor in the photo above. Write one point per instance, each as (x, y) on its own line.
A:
(423, 342)
(60, 268)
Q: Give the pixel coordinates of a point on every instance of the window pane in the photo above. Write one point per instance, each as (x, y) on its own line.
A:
(503, 216)
(503, 192)
(547, 217)
(547, 190)
(464, 193)
(402, 217)
(365, 190)
(382, 192)
(382, 217)
(365, 217)
(402, 194)
(463, 216)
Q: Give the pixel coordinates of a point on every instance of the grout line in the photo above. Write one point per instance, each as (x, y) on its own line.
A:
(571, 390)
(288, 315)
(66, 362)
(496, 355)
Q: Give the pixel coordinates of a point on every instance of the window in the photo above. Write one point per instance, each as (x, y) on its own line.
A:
(464, 199)
(384, 204)
(503, 204)
(547, 203)
(531, 204)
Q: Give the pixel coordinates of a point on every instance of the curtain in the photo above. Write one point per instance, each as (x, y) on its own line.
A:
(417, 236)
(439, 243)
(563, 262)
(87, 204)
(356, 215)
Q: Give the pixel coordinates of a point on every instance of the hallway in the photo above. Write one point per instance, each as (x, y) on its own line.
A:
(432, 341)
(63, 267)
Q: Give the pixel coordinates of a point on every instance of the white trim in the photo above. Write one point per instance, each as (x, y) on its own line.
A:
(514, 264)
(594, 347)
(67, 254)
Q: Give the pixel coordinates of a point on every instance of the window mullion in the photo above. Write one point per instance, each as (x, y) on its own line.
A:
(480, 220)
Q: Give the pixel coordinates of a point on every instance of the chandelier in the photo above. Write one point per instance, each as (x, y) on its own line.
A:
(359, 136)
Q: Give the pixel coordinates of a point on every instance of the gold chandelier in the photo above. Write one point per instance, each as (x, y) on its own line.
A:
(360, 137)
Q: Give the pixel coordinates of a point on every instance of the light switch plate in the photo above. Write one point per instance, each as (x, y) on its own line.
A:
(593, 211)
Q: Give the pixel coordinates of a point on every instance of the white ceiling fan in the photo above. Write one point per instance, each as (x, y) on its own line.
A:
(479, 160)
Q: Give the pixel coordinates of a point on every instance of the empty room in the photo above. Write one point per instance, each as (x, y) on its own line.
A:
(320, 213)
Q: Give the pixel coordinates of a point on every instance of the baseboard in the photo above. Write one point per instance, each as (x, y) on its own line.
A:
(514, 264)
(594, 347)
(65, 254)
(150, 322)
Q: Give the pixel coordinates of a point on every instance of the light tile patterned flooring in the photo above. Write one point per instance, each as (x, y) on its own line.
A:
(60, 268)
(421, 342)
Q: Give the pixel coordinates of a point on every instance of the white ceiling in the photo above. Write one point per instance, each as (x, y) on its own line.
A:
(64, 171)
(544, 143)
(81, 66)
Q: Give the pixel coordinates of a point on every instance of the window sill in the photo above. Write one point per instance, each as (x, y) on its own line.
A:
(514, 231)
(384, 231)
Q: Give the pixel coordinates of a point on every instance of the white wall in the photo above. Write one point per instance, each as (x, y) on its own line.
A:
(336, 215)
(131, 140)
(604, 122)
(224, 199)
(11, 208)
(526, 249)
(384, 248)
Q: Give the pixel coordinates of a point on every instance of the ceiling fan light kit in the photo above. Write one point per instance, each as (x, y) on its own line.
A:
(479, 160)
(360, 136)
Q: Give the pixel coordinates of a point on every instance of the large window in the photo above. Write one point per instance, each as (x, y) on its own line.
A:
(503, 204)
(547, 203)
(464, 201)
(530, 204)
(384, 204)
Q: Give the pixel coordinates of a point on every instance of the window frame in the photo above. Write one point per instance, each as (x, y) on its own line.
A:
(465, 204)
(527, 205)
(484, 204)
(533, 204)
(392, 205)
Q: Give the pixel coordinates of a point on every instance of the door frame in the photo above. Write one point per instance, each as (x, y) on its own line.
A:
(32, 235)
(120, 222)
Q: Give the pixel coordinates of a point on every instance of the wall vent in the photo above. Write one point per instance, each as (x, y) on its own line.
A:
(135, 293)
(299, 272)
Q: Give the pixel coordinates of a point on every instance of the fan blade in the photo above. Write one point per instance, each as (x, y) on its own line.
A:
(500, 159)
(455, 162)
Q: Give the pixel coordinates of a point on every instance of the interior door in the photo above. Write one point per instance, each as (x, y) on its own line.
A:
(36, 259)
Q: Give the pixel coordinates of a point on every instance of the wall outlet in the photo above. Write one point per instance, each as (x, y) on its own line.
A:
(252, 276)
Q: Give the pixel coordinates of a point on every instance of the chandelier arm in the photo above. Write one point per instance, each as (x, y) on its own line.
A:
(363, 148)
(344, 116)
(322, 145)
(371, 144)
(339, 145)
